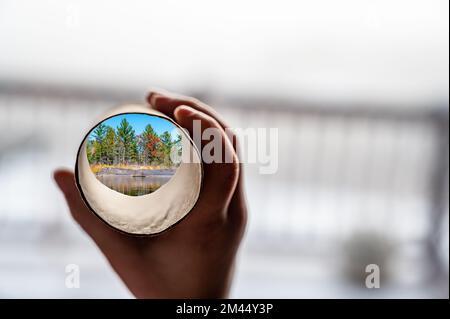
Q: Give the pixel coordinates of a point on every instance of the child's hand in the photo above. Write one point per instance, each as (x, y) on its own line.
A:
(195, 258)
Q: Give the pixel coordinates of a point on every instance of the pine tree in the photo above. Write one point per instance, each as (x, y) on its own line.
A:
(149, 130)
(134, 155)
(109, 145)
(150, 142)
(122, 146)
(99, 136)
(90, 151)
(126, 136)
(165, 148)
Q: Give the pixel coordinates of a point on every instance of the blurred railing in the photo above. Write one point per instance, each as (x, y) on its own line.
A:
(343, 171)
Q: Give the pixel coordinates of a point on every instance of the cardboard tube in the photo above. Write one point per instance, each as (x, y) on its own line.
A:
(148, 214)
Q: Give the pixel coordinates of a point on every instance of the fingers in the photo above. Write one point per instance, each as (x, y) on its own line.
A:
(166, 103)
(222, 170)
(100, 233)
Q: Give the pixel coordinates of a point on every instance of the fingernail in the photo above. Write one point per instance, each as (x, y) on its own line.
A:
(184, 111)
(152, 98)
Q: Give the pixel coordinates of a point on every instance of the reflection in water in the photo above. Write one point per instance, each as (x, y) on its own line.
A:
(134, 185)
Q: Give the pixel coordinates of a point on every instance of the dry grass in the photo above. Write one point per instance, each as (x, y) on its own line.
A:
(95, 168)
(98, 167)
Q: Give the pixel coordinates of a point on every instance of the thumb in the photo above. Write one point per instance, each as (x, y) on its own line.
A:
(91, 224)
(66, 183)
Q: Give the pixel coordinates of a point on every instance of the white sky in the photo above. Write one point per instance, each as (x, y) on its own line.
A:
(311, 49)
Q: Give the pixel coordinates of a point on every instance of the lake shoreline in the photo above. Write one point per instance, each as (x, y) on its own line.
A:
(135, 172)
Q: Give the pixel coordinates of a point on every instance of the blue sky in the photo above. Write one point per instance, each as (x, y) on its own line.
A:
(140, 121)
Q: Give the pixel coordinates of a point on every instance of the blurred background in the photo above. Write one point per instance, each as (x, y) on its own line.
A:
(358, 91)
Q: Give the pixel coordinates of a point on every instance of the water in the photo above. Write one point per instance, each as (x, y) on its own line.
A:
(134, 185)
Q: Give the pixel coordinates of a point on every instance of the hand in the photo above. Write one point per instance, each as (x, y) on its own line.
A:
(195, 258)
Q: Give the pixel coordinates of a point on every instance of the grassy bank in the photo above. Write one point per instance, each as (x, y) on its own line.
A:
(98, 167)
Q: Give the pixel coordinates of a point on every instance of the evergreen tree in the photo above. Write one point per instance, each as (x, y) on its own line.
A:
(150, 142)
(99, 136)
(177, 144)
(134, 155)
(90, 151)
(125, 135)
(140, 147)
(149, 130)
(165, 147)
(122, 146)
(109, 145)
